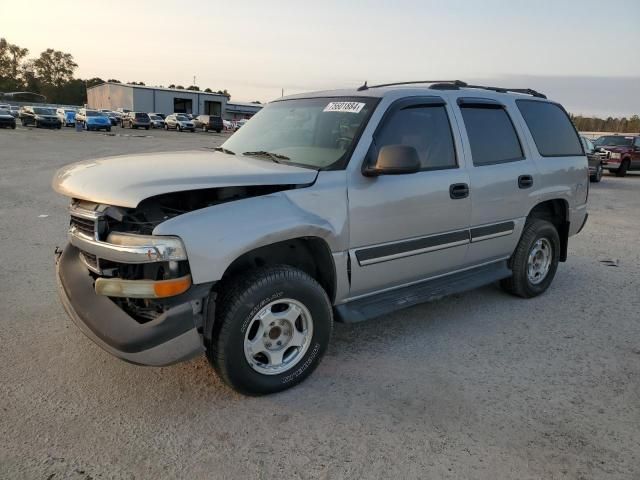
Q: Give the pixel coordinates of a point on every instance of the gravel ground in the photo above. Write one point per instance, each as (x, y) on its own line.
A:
(478, 385)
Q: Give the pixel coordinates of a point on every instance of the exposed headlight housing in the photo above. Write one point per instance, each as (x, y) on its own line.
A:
(157, 249)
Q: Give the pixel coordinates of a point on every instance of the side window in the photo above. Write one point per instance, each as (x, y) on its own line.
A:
(551, 128)
(637, 142)
(492, 136)
(427, 129)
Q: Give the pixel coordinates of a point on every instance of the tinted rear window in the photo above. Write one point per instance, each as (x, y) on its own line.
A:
(550, 128)
(142, 116)
(491, 135)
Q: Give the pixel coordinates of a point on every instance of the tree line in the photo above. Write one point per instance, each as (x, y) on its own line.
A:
(51, 74)
(610, 124)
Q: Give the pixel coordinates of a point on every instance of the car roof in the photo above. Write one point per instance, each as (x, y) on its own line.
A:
(408, 89)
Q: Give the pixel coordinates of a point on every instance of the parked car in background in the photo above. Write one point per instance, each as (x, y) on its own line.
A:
(93, 120)
(239, 124)
(5, 106)
(623, 153)
(123, 110)
(179, 122)
(156, 120)
(597, 159)
(161, 115)
(114, 119)
(250, 252)
(15, 111)
(39, 117)
(228, 124)
(67, 116)
(136, 120)
(208, 122)
(6, 119)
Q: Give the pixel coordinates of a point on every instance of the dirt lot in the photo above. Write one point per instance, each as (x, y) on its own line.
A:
(479, 385)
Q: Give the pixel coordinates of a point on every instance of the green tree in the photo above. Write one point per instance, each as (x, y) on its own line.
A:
(208, 90)
(113, 80)
(194, 88)
(54, 67)
(92, 82)
(171, 86)
(11, 58)
(179, 87)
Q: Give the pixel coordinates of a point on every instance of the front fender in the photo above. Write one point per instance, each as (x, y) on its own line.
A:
(215, 236)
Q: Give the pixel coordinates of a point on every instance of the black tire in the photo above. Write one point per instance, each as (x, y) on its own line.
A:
(218, 131)
(166, 127)
(519, 283)
(108, 129)
(239, 301)
(622, 171)
(146, 128)
(596, 177)
(13, 126)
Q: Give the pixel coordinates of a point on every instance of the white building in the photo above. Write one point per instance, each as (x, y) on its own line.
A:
(140, 98)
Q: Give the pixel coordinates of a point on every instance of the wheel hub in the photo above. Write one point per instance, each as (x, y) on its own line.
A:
(278, 336)
(539, 261)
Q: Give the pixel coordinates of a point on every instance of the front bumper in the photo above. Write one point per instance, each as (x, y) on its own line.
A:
(170, 338)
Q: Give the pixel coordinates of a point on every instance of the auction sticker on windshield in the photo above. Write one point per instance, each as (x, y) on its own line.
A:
(350, 107)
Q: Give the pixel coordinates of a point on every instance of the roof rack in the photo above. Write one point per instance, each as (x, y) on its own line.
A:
(456, 85)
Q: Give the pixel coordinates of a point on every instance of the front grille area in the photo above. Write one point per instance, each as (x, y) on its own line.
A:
(84, 225)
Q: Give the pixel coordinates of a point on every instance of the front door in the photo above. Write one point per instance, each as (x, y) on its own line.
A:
(405, 228)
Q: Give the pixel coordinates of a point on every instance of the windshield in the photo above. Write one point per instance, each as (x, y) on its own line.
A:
(155, 117)
(93, 113)
(311, 132)
(182, 118)
(614, 141)
(43, 111)
(4, 111)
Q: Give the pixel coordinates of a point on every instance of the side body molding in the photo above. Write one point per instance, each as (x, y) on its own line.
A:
(215, 236)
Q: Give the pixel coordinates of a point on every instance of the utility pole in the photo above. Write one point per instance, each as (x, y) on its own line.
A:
(282, 95)
(194, 80)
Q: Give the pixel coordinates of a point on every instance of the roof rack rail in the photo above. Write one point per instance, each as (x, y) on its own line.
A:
(526, 91)
(455, 85)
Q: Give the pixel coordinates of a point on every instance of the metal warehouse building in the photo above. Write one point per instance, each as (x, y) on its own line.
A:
(140, 98)
(240, 110)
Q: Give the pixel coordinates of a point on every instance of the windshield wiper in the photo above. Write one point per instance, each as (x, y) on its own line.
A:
(224, 150)
(276, 157)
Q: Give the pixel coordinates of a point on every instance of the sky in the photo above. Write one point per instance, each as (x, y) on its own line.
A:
(582, 53)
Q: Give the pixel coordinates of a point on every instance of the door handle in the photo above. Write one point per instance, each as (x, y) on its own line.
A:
(525, 181)
(459, 190)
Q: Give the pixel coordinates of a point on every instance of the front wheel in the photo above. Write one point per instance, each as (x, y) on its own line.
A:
(622, 171)
(597, 176)
(535, 260)
(271, 329)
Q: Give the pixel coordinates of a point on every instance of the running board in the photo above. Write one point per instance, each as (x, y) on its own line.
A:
(391, 301)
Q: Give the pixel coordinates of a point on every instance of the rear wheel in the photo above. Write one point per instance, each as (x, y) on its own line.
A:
(108, 129)
(622, 171)
(535, 260)
(271, 329)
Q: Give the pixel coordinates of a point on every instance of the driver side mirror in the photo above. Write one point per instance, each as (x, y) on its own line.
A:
(394, 160)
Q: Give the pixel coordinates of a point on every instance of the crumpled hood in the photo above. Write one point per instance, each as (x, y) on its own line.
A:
(127, 180)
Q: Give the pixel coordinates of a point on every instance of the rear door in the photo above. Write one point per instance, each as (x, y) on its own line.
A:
(501, 178)
(405, 228)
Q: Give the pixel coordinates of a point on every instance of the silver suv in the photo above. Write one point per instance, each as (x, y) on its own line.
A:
(342, 205)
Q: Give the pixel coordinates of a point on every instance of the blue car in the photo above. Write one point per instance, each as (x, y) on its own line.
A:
(93, 119)
(67, 116)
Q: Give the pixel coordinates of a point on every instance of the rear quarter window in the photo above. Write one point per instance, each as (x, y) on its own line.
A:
(551, 128)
